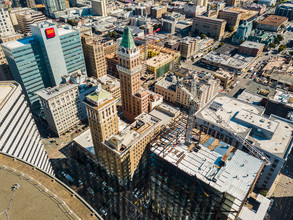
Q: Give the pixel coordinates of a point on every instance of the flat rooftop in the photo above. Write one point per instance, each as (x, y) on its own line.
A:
(99, 97)
(18, 43)
(271, 134)
(131, 134)
(159, 60)
(213, 162)
(40, 196)
(6, 89)
(251, 44)
(85, 140)
(50, 93)
(237, 61)
(274, 20)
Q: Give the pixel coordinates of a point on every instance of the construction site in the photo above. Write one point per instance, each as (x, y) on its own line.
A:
(202, 179)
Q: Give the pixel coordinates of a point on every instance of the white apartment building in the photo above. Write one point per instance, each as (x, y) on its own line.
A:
(271, 135)
(6, 27)
(19, 136)
(62, 107)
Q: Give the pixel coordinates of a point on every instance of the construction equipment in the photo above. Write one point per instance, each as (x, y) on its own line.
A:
(191, 115)
(190, 122)
(252, 149)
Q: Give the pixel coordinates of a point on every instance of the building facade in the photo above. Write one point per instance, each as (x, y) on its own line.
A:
(103, 120)
(26, 18)
(231, 17)
(50, 53)
(6, 27)
(94, 57)
(134, 99)
(188, 47)
(53, 6)
(285, 10)
(62, 107)
(247, 120)
(251, 48)
(211, 26)
(19, 134)
(99, 7)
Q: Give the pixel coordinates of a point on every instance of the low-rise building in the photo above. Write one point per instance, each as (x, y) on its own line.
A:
(237, 63)
(168, 26)
(188, 47)
(272, 23)
(227, 78)
(251, 48)
(160, 64)
(211, 26)
(242, 33)
(178, 91)
(272, 136)
(26, 18)
(62, 107)
(111, 84)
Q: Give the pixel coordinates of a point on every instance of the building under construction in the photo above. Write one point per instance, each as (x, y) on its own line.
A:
(205, 179)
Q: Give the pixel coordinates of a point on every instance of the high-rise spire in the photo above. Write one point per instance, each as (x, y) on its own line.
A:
(127, 39)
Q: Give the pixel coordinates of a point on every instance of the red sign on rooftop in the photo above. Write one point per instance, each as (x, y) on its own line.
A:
(50, 32)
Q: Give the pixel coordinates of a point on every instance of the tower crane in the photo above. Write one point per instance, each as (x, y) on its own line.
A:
(191, 117)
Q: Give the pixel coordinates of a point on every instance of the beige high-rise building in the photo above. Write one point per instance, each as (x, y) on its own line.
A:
(231, 17)
(103, 120)
(62, 107)
(26, 18)
(135, 100)
(94, 57)
(99, 7)
(210, 26)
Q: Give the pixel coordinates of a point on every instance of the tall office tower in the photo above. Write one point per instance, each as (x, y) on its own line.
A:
(62, 107)
(52, 6)
(99, 7)
(19, 135)
(103, 120)
(94, 57)
(27, 17)
(41, 60)
(134, 99)
(6, 27)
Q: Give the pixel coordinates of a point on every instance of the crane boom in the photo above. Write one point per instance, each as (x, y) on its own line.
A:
(252, 149)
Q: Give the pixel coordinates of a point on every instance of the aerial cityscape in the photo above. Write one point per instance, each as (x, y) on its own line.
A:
(146, 109)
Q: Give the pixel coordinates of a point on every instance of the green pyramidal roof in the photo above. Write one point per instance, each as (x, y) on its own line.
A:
(127, 39)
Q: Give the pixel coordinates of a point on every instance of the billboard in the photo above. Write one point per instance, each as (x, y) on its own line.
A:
(50, 32)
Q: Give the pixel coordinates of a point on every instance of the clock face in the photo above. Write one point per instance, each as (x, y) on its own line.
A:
(134, 50)
(123, 50)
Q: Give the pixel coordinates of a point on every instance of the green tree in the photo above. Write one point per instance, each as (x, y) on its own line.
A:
(203, 36)
(282, 26)
(291, 53)
(272, 45)
(156, 26)
(282, 47)
(231, 29)
(280, 37)
(221, 44)
(276, 41)
(72, 22)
